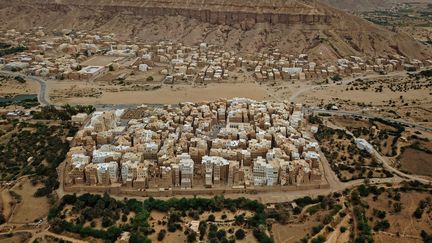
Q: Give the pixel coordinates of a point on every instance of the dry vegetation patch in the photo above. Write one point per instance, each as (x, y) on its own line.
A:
(346, 159)
(15, 238)
(30, 208)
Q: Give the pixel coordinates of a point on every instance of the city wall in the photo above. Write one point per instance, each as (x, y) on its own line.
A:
(123, 191)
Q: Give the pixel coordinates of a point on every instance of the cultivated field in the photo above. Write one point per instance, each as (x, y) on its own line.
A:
(416, 162)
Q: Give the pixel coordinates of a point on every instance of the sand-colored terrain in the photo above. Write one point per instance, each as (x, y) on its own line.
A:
(332, 94)
(15, 238)
(368, 5)
(178, 236)
(419, 33)
(290, 233)
(382, 237)
(341, 237)
(402, 223)
(163, 95)
(99, 61)
(416, 162)
(294, 232)
(396, 97)
(12, 87)
(6, 203)
(30, 208)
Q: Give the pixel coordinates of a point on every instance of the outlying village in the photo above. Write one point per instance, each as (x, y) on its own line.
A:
(77, 55)
(234, 144)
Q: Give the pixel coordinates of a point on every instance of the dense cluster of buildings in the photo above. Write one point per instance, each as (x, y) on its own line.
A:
(235, 144)
(66, 54)
(274, 66)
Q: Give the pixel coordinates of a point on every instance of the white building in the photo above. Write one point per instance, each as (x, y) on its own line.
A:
(213, 167)
(264, 173)
(128, 169)
(186, 166)
(111, 168)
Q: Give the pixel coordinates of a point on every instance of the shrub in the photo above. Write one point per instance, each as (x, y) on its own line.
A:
(382, 225)
(191, 237)
(397, 207)
(336, 78)
(312, 210)
(427, 238)
(418, 213)
(221, 234)
(319, 239)
(426, 73)
(161, 235)
(328, 219)
(317, 229)
(211, 218)
(239, 219)
(261, 236)
(2, 219)
(172, 227)
(240, 234)
(20, 79)
(297, 210)
(380, 214)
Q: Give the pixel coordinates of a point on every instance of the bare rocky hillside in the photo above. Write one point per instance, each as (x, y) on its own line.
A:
(369, 5)
(293, 26)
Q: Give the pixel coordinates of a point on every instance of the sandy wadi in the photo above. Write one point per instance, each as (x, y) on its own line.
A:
(162, 95)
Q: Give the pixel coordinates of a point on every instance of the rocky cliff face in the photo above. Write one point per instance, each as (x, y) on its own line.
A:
(295, 26)
(214, 12)
(368, 5)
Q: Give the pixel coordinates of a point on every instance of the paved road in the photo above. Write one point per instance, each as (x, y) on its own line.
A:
(42, 98)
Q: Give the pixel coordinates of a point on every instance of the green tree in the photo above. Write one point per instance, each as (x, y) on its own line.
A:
(191, 237)
(239, 219)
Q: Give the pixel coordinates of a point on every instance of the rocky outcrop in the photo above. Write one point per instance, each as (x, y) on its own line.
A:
(293, 26)
(214, 12)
